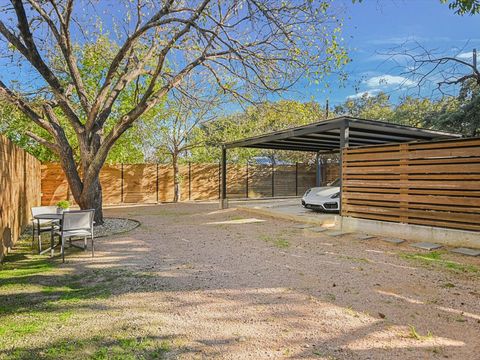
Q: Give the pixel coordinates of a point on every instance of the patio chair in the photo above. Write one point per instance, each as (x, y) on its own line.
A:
(79, 224)
(40, 225)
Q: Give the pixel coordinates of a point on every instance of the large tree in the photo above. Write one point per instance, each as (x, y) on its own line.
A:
(172, 134)
(248, 47)
(255, 120)
(366, 106)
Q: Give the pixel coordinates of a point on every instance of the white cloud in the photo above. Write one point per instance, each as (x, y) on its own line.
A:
(368, 93)
(402, 40)
(388, 80)
(466, 56)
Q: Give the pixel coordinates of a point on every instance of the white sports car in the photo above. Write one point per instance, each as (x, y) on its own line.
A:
(325, 198)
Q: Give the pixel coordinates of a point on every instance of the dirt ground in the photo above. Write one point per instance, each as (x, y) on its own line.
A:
(193, 282)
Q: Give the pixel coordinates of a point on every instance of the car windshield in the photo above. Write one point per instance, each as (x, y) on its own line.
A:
(335, 182)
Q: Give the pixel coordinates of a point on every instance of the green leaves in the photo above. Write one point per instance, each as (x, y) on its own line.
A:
(463, 7)
(255, 120)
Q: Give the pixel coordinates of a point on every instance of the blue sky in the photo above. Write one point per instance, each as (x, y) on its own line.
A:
(371, 28)
(375, 26)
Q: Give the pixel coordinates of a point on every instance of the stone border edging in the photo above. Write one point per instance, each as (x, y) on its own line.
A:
(138, 223)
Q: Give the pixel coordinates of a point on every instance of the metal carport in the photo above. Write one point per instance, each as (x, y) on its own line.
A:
(330, 136)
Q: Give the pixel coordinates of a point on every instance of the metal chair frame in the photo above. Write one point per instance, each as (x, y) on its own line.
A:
(37, 223)
(63, 232)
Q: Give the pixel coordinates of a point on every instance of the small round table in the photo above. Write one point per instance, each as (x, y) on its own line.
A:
(53, 218)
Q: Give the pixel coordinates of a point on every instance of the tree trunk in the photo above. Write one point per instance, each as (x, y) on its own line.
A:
(86, 197)
(91, 198)
(176, 179)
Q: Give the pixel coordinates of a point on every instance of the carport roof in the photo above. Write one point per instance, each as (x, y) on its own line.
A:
(333, 134)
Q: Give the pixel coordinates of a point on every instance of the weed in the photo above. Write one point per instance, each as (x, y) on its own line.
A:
(435, 258)
(415, 335)
(277, 242)
(356, 259)
(319, 353)
(352, 312)
(60, 350)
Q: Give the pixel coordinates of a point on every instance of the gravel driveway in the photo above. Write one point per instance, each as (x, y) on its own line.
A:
(217, 286)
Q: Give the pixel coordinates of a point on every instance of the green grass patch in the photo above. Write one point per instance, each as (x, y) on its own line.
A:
(11, 269)
(15, 326)
(99, 348)
(434, 258)
(131, 348)
(280, 243)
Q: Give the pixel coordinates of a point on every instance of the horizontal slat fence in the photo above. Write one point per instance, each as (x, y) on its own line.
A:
(19, 191)
(433, 184)
(152, 183)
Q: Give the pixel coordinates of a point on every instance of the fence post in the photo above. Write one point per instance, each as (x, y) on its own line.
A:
(219, 178)
(157, 184)
(189, 180)
(246, 185)
(296, 178)
(121, 184)
(273, 179)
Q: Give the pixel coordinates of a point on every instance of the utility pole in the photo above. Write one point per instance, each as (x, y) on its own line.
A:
(326, 110)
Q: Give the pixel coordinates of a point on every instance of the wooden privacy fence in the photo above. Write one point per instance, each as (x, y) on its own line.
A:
(19, 191)
(432, 183)
(152, 183)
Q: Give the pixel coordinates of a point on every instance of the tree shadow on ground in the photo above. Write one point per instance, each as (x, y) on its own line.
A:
(43, 285)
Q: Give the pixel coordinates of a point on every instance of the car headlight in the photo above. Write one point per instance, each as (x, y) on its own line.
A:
(335, 196)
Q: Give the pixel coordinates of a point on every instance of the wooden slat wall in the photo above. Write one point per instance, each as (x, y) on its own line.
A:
(433, 184)
(111, 180)
(139, 183)
(284, 180)
(260, 181)
(237, 181)
(307, 177)
(54, 184)
(204, 182)
(165, 183)
(149, 183)
(19, 191)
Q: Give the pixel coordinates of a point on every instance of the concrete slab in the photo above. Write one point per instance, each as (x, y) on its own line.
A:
(288, 209)
(236, 222)
(393, 241)
(365, 237)
(317, 229)
(415, 233)
(466, 251)
(303, 226)
(426, 246)
(336, 233)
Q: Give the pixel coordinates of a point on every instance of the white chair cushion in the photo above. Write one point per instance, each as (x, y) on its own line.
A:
(68, 233)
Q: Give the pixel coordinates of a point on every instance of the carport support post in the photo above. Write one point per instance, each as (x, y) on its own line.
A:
(344, 139)
(318, 170)
(223, 192)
